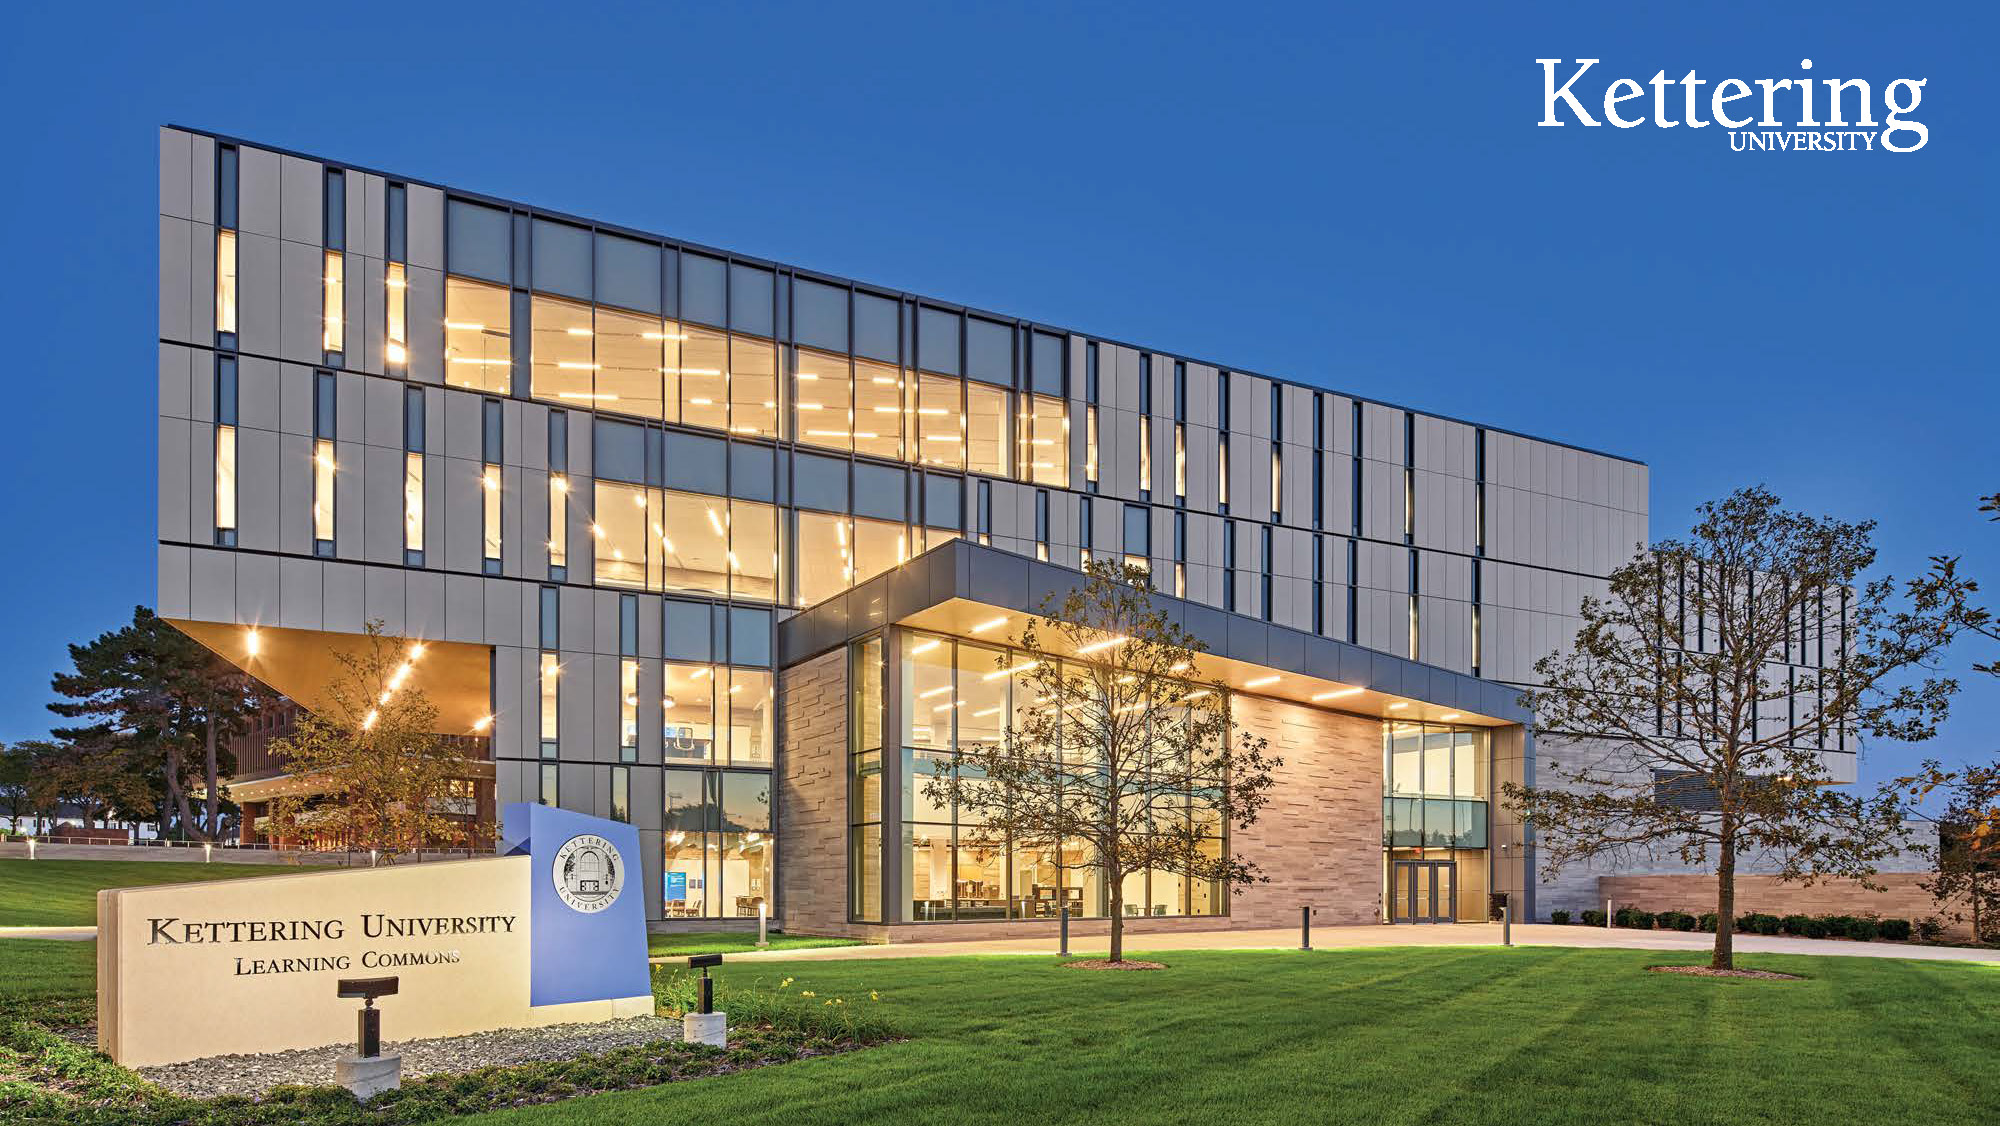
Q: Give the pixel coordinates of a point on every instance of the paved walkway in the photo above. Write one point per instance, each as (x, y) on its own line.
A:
(66, 934)
(1334, 938)
(1324, 938)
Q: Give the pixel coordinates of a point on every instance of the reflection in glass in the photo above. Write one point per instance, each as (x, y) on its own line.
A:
(687, 713)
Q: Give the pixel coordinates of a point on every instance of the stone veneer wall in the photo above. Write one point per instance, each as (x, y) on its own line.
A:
(812, 801)
(1695, 894)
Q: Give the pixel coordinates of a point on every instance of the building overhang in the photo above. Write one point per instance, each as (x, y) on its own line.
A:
(968, 590)
(300, 663)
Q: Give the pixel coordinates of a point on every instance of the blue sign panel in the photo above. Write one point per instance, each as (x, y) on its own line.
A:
(677, 887)
(587, 923)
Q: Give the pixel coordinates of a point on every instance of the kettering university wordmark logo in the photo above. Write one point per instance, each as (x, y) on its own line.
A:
(1798, 114)
(588, 873)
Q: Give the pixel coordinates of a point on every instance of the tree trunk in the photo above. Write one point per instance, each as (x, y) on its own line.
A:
(175, 794)
(1724, 957)
(1117, 913)
(211, 826)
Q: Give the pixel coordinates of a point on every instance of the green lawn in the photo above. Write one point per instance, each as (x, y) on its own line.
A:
(733, 942)
(63, 893)
(1443, 1035)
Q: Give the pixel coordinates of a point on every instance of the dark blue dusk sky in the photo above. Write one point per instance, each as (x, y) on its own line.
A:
(1361, 200)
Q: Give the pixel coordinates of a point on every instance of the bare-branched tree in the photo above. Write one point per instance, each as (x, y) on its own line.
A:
(1117, 746)
(1701, 693)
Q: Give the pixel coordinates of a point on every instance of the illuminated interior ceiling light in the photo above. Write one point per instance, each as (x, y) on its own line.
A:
(577, 331)
(714, 521)
(416, 650)
(385, 696)
(983, 713)
(639, 500)
(251, 642)
(1128, 678)
(1399, 705)
(466, 326)
(994, 623)
(368, 720)
(926, 646)
(1197, 694)
(1101, 646)
(663, 336)
(482, 723)
(700, 672)
(1261, 681)
(1450, 715)
(929, 692)
(559, 484)
(1336, 694)
(667, 703)
(396, 353)
(597, 530)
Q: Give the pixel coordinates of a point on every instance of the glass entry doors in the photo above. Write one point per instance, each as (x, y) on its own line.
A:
(1420, 891)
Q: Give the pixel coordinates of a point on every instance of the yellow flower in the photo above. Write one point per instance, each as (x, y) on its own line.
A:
(839, 1001)
(807, 993)
(874, 996)
(784, 983)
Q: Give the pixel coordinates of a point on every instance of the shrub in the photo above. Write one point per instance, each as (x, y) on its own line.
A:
(1836, 925)
(1861, 930)
(1676, 920)
(1814, 928)
(1559, 918)
(1930, 929)
(1746, 923)
(1757, 923)
(1634, 918)
(1707, 922)
(779, 1007)
(1895, 930)
(1795, 924)
(1593, 918)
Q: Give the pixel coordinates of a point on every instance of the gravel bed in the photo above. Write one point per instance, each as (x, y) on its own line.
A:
(254, 1074)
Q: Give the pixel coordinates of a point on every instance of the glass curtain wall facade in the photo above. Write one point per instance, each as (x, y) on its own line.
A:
(1435, 809)
(953, 695)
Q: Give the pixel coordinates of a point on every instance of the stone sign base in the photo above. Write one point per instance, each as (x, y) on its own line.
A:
(706, 1028)
(368, 1076)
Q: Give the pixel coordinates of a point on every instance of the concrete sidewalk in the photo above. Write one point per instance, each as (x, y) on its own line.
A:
(64, 934)
(1342, 938)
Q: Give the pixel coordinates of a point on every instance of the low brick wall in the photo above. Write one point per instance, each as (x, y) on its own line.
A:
(1695, 894)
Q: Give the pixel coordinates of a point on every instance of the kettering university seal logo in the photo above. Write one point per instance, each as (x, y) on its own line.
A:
(588, 873)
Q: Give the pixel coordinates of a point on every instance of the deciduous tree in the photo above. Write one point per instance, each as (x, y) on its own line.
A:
(1690, 665)
(381, 774)
(1116, 745)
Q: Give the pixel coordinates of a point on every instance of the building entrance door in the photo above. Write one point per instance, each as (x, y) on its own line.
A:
(1421, 891)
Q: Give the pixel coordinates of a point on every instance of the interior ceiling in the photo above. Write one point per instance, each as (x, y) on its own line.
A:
(301, 662)
(963, 617)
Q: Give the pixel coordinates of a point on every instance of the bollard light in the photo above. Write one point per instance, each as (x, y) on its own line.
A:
(31, 848)
(368, 1030)
(207, 853)
(1064, 950)
(763, 924)
(1305, 926)
(1506, 924)
(702, 962)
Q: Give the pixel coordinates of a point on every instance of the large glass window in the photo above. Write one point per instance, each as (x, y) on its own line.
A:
(620, 529)
(629, 361)
(562, 365)
(959, 695)
(717, 844)
(477, 352)
(822, 400)
(687, 710)
(753, 387)
(940, 422)
(704, 386)
(987, 418)
(864, 786)
(1048, 442)
(694, 533)
(752, 702)
(878, 546)
(413, 502)
(824, 549)
(878, 409)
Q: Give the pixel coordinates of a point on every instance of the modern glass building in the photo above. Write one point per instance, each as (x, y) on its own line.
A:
(701, 541)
